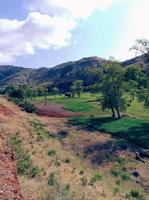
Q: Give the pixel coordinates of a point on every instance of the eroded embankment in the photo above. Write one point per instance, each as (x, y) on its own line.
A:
(9, 185)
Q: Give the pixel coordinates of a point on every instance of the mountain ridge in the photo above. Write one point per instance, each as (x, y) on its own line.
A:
(63, 73)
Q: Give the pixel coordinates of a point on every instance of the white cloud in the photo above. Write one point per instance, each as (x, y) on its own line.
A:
(134, 27)
(38, 31)
(70, 8)
(49, 25)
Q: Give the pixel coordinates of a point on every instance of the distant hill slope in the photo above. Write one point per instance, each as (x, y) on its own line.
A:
(143, 61)
(64, 73)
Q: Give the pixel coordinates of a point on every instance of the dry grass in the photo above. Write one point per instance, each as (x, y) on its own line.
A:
(68, 160)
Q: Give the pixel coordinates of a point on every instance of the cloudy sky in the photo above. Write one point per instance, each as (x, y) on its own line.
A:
(38, 33)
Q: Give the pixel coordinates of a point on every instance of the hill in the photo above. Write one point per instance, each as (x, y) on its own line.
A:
(84, 69)
(64, 73)
(142, 61)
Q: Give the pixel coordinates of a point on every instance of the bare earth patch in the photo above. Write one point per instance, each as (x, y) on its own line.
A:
(5, 111)
(9, 186)
(54, 110)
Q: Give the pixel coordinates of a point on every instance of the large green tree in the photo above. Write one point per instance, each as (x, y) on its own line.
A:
(78, 86)
(112, 88)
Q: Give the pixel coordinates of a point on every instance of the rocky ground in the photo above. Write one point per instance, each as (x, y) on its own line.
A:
(9, 186)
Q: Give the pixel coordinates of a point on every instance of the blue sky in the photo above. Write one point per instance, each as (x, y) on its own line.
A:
(38, 33)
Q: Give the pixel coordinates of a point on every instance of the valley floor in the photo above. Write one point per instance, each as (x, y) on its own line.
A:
(58, 161)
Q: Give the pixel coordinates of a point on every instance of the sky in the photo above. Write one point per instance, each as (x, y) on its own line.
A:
(44, 33)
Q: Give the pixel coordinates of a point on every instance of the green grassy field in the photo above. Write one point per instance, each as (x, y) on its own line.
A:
(134, 129)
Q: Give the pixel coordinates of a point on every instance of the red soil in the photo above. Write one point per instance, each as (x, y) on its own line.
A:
(5, 111)
(9, 186)
(54, 110)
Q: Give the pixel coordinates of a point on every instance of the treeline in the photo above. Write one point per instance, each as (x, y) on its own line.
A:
(114, 81)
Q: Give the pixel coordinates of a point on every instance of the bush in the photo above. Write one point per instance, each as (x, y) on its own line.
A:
(59, 192)
(34, 172)
(81, 172)
(135, 195)
(28, 107)
(51, 152)
(67, 160)
(84, 181)
(95, 178)
(23, 165)
(115, 190)
(52, 179)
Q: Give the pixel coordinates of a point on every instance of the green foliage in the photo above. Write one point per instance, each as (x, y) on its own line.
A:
(135, 195)
(34, 172)
(60, 192)
(28, 107)
(51, 153)
(67, 160)
(84, 181)
(119, 170)
(24, 162)
(52, 179)
(95, 178)
(116, 190)
(77, 87)
(112, 88)
(40, 131)
(135, 130)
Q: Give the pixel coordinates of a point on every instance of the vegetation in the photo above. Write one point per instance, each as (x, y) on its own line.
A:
(135, 195)
(24, 162)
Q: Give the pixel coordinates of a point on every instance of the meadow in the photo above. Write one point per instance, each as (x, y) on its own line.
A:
(134, 125)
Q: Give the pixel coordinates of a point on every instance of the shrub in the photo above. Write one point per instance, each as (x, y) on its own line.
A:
(135, 195)
(125, 176)
(28, 107)
(95, 178)
(51, 152)
(63, 133)
(23, 165)
(81, 172)
(57, 163)
(115, 190)
(34, 172)
(67, 160)
(61, 193)
(52, 179)
(84, 181)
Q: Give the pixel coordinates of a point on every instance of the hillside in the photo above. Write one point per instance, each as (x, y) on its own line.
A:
(64, 73)
(58, 161)
(142, 61)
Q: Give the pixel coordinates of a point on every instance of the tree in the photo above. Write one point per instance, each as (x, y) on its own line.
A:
(112, 88)
(45, 92)
(133, 73)
(78, 86)
(143, 96)
(141, 46)
(73, 90)
(55, 91)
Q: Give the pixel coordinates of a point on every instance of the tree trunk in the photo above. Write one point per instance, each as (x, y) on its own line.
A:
(113, 112)
(118, 113)
(45, 100)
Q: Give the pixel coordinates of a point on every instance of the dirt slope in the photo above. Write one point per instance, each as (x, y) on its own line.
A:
(9, 186)
(70, 153)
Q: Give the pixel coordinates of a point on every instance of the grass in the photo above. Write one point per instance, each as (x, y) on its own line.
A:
(87, 103)
(24, 162)
(135, 129)
(131, 129)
